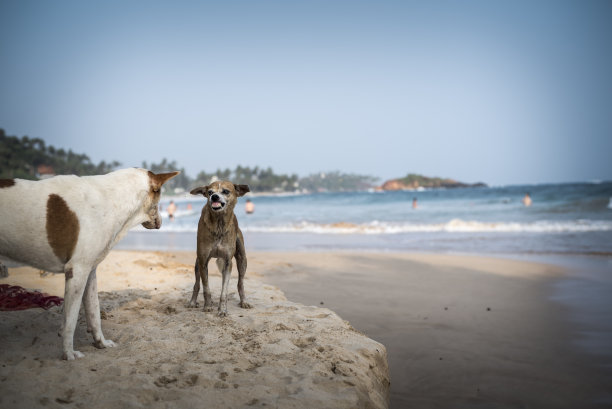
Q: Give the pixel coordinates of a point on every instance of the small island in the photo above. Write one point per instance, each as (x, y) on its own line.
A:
(414, 181)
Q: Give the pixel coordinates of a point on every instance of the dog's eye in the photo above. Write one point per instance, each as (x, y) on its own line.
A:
(210, 192)
(225, 192)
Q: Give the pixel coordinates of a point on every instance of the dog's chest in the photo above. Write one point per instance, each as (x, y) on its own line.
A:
(221, 251)
(217, 237)
(222, 246)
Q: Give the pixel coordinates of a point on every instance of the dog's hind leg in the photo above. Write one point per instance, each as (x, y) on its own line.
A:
(193, 303)
(225, 267)
(92, 312)
(241, 264)
(76, 280)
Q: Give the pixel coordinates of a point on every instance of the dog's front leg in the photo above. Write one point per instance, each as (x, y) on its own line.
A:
(203, 266)
(76, 279)
(241, 264)
(225, 266)
(92, 312)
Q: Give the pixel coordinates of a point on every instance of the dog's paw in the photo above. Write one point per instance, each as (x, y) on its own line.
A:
(109, 344)
(105, 343)
(222, 313)
(208, 308)
(192, 305)
(72, 355)
(244, 304)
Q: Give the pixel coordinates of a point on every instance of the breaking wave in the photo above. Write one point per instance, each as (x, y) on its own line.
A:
(453, 226)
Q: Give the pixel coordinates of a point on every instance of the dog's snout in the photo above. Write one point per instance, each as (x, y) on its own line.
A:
(214, 197)
(153, 224)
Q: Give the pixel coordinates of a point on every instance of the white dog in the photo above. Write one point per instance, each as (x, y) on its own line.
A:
(68, 224)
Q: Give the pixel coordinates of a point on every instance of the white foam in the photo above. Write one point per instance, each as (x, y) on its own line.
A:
(169, 227)
(453, 226)
(179, 213)
(377, 227)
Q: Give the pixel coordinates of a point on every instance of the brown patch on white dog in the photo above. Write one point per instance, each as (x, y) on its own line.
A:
(7, 183)
(62, 228)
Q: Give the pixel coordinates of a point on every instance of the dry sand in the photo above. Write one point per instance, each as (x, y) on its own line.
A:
(278, 354)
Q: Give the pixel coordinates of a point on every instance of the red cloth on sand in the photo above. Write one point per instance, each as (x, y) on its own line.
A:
(15, 298)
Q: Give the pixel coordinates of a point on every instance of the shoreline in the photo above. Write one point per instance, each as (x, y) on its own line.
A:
(460, 330)
(490, 244)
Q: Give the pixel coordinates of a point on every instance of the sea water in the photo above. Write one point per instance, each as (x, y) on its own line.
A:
(563, 218)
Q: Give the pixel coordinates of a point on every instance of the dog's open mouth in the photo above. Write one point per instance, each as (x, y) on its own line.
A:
(217, 205)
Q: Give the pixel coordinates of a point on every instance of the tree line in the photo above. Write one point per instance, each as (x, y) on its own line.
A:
(25, 157)
(266, 180)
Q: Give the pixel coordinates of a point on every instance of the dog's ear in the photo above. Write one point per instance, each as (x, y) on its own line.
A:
(202, 190)
(242, 189)
(158, 180)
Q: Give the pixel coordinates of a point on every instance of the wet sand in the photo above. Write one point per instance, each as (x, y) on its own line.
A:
(460, 331)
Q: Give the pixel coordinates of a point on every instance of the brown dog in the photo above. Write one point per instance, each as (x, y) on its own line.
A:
(220, 237)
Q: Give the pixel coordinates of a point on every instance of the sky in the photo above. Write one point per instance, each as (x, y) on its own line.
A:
(500, 92)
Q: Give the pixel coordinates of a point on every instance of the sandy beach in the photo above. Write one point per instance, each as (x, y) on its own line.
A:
(459, 331)
(277, 355)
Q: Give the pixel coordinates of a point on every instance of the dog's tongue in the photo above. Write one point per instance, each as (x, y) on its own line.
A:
(216, 205)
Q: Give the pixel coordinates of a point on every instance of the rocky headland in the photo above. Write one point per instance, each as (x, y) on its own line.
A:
(414, 181)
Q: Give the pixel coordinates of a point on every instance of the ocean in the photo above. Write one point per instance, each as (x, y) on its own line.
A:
(568, 218)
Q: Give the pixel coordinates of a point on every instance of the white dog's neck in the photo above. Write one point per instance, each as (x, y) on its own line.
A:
(124, 201)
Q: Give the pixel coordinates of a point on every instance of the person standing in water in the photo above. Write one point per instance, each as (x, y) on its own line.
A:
(171, 209)
(527, 200)
(249, 207)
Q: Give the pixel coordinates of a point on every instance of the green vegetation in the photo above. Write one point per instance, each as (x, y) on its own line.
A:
(258, 179)
(22, 157)
(265, 180)
(337, 181)
(31, 158)
(28, 158)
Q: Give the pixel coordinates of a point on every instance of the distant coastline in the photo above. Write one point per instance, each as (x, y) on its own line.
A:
(32, 158)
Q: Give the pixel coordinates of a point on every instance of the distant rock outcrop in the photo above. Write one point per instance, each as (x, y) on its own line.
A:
(414, 181)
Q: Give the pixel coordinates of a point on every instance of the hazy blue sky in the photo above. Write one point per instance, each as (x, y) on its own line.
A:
(501, 92)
